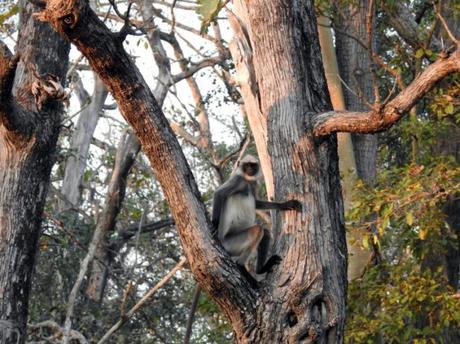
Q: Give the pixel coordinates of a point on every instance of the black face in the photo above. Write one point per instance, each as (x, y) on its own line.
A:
(250, 168)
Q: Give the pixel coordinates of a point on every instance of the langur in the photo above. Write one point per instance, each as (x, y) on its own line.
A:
(234, 217)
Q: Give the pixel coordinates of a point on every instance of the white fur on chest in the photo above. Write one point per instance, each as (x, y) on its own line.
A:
(242, 211)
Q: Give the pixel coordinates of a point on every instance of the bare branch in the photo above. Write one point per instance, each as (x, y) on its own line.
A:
(131, 231)
(209, 62)
(179, 130)
(444, 24)
(357, 94)
(142, 301)
(53, 326)
(384, 116)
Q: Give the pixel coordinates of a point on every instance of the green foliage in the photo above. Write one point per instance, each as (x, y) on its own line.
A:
(208, 11)
(408, 200)
(406, 297)
(13, 10)
(446, 100)
(400, 304)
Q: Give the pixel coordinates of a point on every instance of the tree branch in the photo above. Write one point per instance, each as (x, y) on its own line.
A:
(209, 263)
(405, 24)
(8, 65)
(383, 117)
(142, 301)
(209, 62)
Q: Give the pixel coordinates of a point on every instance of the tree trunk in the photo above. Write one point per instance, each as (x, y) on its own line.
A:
(358, 257)
(126, 155)
(304, 299)
(79, 146)
(355, 66)
(28, 139)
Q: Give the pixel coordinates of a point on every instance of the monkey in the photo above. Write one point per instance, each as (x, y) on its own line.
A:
(234, 218)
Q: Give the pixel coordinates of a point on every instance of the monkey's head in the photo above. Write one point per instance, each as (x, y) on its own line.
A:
(249, 168)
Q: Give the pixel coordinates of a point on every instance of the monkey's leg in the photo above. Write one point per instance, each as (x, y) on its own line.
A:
(254, 235)
(263, 265)
(240, 245)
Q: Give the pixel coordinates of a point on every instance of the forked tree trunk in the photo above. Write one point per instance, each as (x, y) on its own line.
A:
(27, 151)
(304, 299)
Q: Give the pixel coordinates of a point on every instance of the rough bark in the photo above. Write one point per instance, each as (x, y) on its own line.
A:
(104, 51)
(306, 299)
(28, 139)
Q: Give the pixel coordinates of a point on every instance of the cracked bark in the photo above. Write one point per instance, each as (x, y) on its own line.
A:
(27, 151)
(286, 85)
(308, 171)
(104, 51)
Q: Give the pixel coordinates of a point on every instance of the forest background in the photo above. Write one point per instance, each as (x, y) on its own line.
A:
(108, 239)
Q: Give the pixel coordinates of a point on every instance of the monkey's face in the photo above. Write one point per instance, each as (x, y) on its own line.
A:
(250, 168)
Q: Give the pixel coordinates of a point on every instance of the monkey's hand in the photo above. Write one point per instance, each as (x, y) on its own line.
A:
(293, 204)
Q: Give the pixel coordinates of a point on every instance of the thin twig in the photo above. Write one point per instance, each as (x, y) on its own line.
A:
(359, 96)
(369, 20)
(387, 99)
(142, 301)
(173, 17)
(444, 23)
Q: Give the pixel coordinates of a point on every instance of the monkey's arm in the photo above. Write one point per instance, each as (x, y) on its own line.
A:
(289, 205)
(233, 185)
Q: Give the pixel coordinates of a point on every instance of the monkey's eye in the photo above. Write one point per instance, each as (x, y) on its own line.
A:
(68, 19)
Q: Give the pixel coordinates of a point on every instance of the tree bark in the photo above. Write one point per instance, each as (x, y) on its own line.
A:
(28, 139)
(79, 146)
(355, 71)
(306, 298)
(104, 50)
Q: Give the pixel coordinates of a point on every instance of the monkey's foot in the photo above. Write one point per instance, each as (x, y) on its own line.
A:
(252, 281)
(271, 262)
